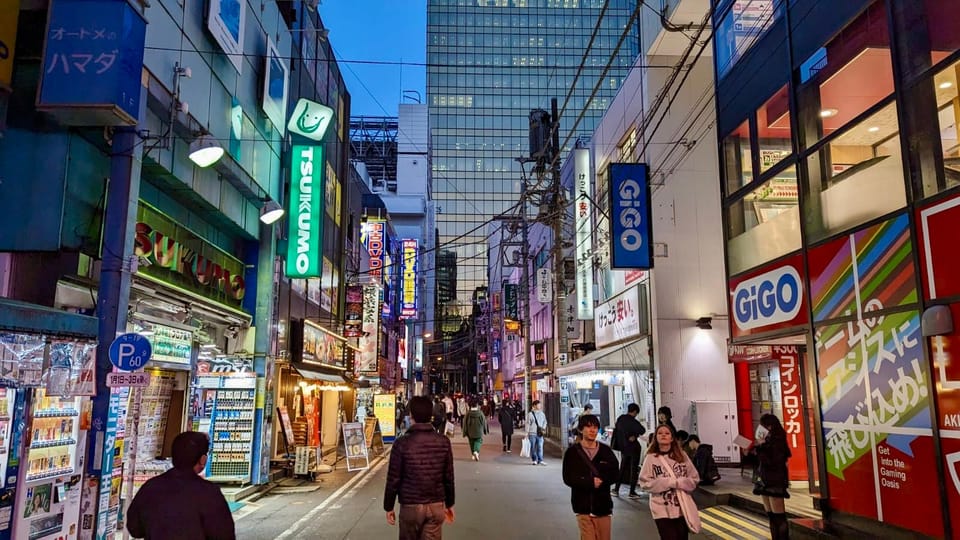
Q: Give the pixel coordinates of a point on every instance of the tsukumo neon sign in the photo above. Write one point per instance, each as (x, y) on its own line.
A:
(303, 241)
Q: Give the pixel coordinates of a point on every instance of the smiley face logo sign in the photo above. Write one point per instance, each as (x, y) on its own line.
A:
(310, 119)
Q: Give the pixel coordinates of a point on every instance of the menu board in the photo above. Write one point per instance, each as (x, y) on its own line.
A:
(286, 425)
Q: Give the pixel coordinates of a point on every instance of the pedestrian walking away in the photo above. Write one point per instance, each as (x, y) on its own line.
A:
(590, 468)
(670, 477)
(179, 503)
(536, 429)
(474, 428)
(626, 438)
(439, 414)
(448, 406)
(420, 476)
(505, 417)
(772, 477)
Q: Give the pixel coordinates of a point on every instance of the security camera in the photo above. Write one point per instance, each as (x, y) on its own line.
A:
(184, 107)
(312, 4)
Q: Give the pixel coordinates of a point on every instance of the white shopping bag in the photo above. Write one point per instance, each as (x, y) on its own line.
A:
(525, 451)
(450, 428)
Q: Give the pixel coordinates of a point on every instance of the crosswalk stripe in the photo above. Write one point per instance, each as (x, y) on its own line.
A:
(716, 532)
(729, 517)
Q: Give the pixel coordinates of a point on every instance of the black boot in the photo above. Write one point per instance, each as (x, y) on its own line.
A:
(779, 527)
(772, 524)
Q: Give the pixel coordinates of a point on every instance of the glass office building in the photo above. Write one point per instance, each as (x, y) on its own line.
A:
(489, 63)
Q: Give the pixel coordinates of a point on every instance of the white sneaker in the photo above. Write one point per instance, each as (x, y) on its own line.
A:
(534, 463)
(476, 456)
(542, 463)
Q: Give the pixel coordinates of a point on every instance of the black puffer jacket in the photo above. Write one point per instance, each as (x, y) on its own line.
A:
(421, 469)
(585, 498)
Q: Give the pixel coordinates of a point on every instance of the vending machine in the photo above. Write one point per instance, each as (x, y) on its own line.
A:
(48, 491)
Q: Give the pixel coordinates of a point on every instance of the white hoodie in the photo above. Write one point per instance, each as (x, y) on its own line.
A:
(656, 480)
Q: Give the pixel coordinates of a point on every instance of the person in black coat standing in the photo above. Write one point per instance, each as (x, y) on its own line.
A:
(505, 417)
(773, 478)
(590, 468)
(627, 432)
(420, 475)
(179, 503)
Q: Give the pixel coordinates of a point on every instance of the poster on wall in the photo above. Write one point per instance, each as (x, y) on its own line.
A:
(875, 403)
(353, 312)
(275, 81)
(366, 359)
(320, 346)
(384, 408)
(225, 20)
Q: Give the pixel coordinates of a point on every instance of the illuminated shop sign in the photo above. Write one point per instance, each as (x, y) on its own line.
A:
(631, 227)
(310, 119)
(581, 171)
(375, 241)
(770, 298)
(408, 307)
(171, 253)
(306, 217)
(619, 318)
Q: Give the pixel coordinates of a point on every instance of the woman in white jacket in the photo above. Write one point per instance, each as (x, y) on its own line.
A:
(663, 484)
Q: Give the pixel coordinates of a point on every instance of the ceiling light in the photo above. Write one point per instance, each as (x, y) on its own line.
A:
(946, 84)
(873, 129)
(270, 212)
(828, 113)
(205, 151)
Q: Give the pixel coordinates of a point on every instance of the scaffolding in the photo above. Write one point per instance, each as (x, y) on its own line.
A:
(373, 140)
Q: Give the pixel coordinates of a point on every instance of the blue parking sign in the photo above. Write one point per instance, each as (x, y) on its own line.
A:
(130, 351)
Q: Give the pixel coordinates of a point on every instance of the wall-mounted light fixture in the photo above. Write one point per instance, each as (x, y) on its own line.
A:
(270, 212)
(205, 150)
(704, 323)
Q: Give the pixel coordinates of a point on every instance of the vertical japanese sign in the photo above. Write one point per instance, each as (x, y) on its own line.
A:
(792, 404)
(92, 60)
(632, 224)
(496, 316)
(584, 250)
(9, 13)
(874, 400)
(544, 285)
(374, 238)
(408, 288)
(306, 220)
(511, 301)
(353, 312)
(366, 360)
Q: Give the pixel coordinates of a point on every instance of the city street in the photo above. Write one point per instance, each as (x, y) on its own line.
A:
(502, 496)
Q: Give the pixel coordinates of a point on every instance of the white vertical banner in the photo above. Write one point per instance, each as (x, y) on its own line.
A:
(544, 285)
(583, 211)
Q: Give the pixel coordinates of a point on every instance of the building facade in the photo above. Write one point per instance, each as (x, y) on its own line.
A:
(489, 64)
(838, 143)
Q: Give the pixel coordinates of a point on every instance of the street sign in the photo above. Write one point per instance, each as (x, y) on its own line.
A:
(130, 351)
(137, 379)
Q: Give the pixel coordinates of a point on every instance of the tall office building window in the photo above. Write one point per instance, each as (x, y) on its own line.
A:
(489, 64)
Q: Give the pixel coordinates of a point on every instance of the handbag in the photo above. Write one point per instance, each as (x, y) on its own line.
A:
(525, 449)
(539, 429)
(688, 507)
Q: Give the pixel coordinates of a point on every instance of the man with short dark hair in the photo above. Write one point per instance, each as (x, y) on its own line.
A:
(589, 467)
(178, 503)
(420, 475)
(627, 432)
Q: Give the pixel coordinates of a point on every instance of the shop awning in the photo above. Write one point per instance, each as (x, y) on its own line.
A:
(632, 355)
(319, 376)
(24, 317)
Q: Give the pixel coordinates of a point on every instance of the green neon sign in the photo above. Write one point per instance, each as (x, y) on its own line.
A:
(305, 212)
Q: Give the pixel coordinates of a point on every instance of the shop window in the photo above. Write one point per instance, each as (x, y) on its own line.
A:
(773, 129)
(851, 74)
(857, 177)
(764, 224)
(737, 158)
(740, 27)
(948, 114)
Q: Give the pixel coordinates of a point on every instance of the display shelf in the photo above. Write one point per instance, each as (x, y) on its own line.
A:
(49, 474)
(56, 413)
(51, 444)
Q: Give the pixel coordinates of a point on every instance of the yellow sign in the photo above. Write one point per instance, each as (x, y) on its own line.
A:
(385, 409)
(9, 13)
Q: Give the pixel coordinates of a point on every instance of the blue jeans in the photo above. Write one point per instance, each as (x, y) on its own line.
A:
(536, 447)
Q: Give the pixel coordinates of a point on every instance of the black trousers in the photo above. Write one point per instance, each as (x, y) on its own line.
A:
(507, 439)
(629, 470)
(672, 529)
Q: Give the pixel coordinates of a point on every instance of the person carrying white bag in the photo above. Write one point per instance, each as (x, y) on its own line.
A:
(670, 478)
(525, 449)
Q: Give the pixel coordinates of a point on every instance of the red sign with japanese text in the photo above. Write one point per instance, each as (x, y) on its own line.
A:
(792, 403)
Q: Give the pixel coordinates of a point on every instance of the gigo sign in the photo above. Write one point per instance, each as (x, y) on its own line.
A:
(632, 226)
(768, 299)
(306, 213)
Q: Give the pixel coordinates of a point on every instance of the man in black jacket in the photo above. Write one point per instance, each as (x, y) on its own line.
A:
(178, 503)
(589, 468)
(628, 431)
(420, 474)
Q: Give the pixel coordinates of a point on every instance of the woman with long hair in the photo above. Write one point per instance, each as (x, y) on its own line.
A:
(772, 478)
(669, 476)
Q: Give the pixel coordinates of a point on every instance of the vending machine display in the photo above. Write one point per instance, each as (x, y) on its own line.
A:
(224, 407)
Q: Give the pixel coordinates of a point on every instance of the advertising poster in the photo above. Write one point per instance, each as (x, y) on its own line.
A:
(384, 408)
(353, 312)
(225, 20)
(945, 353)
(408, 288)
(320, 346)
(355, 446)
(875, 403)
(366, 360)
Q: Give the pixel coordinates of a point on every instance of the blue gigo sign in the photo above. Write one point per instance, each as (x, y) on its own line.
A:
(130, 351)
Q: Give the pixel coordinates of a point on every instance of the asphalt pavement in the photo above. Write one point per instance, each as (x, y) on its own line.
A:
(502, 496)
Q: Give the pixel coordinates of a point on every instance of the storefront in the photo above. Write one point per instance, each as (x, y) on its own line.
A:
(840, 162)
(47, 369)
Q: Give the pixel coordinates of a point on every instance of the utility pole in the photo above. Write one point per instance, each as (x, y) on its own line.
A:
(525, 296)
(559, 206)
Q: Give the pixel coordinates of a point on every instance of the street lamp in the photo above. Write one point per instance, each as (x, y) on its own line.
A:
(205, 151)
